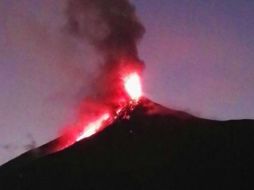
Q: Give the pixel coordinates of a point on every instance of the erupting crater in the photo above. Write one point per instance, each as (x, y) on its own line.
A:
(84, 128)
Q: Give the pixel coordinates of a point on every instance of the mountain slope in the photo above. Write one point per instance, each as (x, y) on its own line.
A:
(156, 148)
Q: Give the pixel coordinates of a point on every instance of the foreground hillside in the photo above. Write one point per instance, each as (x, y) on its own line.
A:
(155, 148)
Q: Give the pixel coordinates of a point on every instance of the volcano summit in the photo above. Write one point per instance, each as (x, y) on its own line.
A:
(152, 147)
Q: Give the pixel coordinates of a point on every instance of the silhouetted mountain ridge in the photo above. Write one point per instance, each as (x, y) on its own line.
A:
(156, 148)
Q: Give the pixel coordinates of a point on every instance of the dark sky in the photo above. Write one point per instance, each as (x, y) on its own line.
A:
(198, 55)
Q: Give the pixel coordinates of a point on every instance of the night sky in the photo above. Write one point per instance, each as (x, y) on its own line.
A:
(198, 55)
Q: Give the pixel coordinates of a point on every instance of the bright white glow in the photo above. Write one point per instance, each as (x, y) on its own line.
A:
(132, 86)
(93, 127)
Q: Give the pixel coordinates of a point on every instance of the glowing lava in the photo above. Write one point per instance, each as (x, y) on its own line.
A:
(132, 85)
(93, 127)
(85, 128)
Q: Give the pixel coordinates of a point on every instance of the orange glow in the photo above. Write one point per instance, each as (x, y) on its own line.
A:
(93, 127)
(91, 122)
(132, 85)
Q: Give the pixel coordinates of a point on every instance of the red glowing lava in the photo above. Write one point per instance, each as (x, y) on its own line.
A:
(93, 127)
(87, 125)
(132, 85)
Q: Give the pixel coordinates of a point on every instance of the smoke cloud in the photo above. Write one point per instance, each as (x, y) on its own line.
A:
(112, 27)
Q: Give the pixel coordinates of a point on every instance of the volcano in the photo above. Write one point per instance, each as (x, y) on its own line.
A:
(152, 147)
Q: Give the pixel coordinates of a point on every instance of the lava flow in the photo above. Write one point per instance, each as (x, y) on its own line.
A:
(88, 126)
(93, 127)
(132, 87)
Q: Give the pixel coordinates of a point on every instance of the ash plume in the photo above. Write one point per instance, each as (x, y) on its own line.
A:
(112, 27)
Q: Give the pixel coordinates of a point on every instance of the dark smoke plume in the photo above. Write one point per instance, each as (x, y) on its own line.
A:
(112, 27)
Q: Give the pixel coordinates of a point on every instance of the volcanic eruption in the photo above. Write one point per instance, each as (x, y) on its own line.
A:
(112, 27)
(140, 144)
